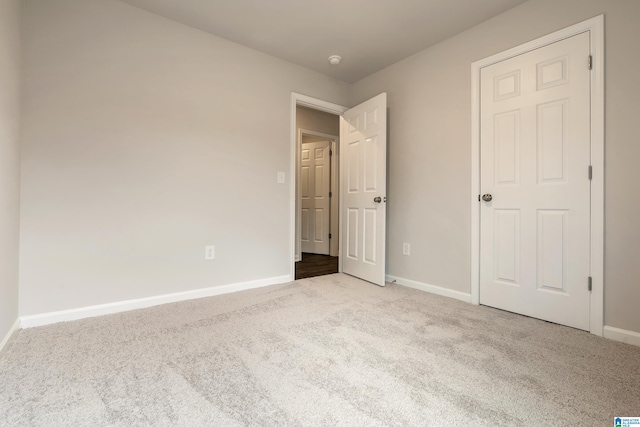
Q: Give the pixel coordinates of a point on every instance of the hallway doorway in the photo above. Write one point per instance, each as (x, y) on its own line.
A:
(317, 193)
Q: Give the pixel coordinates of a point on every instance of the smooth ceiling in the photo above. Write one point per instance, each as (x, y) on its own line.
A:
(368, 34)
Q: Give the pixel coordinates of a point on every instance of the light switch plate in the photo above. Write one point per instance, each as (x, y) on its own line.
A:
(406, 249)
(209, 252)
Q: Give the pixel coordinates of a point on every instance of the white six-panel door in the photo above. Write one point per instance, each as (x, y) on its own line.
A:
(535, 155)
(315, 185)
(363, 142)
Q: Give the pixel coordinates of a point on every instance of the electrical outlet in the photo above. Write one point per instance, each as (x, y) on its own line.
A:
(406, 249)
(209, 252)
(280, 177)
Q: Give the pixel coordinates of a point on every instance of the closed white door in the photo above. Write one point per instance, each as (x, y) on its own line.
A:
(363, 155)
(535, 157)
(315, 183)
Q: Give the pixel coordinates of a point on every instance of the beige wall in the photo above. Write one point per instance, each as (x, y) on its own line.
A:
(430, 152)
(144, 141)
(138, 142)
(318, 121)
(9, 161)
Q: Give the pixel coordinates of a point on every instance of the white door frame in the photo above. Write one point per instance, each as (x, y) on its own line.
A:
(316, 104)
(334, 179)
(595, 26)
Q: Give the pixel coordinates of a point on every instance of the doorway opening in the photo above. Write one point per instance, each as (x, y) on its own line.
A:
(361, 217)
(317, 193)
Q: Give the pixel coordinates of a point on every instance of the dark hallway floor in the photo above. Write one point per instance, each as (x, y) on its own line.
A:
(316, 265)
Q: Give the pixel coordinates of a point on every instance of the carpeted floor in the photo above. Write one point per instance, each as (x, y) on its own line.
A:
(330, 350)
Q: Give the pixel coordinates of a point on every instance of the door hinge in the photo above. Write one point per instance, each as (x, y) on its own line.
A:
(330, 193)
(329, 235)
(590, 284)
(591, 62)
(330, 153)
(590, 172)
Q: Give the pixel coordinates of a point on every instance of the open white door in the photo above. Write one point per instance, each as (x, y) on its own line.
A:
(363, 148)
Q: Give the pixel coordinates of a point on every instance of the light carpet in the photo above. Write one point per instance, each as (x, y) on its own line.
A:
(331, 350)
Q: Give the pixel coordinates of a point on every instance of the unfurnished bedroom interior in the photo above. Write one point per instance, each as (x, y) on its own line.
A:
(347, 212)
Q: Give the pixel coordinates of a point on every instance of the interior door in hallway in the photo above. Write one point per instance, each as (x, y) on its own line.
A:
(535, 158)
(315, 181)
(363, 156)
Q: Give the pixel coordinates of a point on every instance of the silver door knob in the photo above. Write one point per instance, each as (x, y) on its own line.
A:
(377, 199)
(487, 197)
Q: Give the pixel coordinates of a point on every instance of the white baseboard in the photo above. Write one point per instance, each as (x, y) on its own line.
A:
(438, 290)
(7, 338)
(630, 337)
(134, 304)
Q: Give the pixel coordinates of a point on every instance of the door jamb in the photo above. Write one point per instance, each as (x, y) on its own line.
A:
(595, 26)
(298, 99)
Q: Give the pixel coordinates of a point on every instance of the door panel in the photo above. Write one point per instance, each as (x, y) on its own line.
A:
(369, 235)
(535, 153)
(364, 136)
(507, 132)
(552, 141)
(352, 236)
(552, 254)
(507, 242)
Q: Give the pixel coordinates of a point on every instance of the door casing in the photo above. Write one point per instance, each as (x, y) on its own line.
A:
(595, 27)
(316, 104)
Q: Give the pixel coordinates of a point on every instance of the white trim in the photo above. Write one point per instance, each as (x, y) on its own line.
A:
(135, 304)
(12, 330)
(432, 289)
(475, 183)
(596, 321)
(595, 26)
(334, 226)
(341, 167)
(316, 104)
(623, 335)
